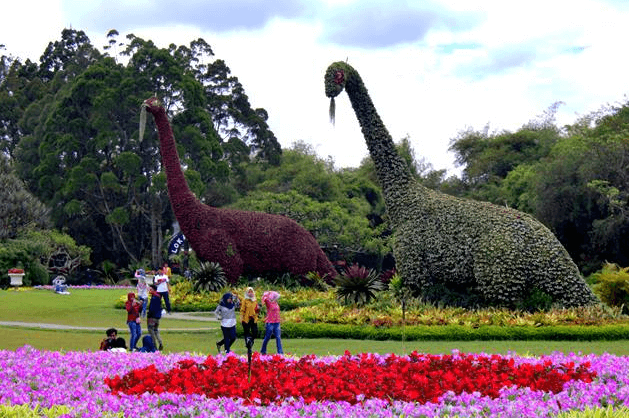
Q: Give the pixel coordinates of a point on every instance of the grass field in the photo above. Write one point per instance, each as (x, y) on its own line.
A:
(95, 308)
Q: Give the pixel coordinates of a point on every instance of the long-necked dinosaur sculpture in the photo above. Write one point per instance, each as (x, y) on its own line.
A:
(439, 240)
(240, 241)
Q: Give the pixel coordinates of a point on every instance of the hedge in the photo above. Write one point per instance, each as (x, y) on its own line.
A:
(457, 332)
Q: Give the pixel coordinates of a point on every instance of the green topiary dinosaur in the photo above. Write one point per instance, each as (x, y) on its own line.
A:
(447, 243)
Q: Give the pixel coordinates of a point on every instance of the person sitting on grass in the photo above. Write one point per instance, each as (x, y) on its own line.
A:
(113, 342)
(147, 345)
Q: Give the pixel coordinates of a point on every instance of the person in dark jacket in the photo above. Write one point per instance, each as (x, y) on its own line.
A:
(113, 342)
(153, 316)
(147, 345)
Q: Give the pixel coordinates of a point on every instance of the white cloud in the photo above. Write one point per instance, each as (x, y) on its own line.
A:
(505, 64)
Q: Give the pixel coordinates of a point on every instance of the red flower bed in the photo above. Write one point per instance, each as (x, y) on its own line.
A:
(16, 271)
(416, 378)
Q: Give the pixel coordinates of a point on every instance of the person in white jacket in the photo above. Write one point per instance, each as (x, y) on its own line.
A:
(163, 287)
(226, 313)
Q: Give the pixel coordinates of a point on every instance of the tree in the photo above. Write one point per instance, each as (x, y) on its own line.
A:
(79, 149)
(488, 158)
(18, 207)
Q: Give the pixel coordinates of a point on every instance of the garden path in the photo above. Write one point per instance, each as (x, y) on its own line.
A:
(195, 316)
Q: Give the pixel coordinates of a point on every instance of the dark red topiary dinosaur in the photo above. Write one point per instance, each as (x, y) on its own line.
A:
(240, 241)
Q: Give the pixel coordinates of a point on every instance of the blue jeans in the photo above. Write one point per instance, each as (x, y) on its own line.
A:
(144, 304)
(229, 336)
(273, 328)
(166, 300)
(136, 333)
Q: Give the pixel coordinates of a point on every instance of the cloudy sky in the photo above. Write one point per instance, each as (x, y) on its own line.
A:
(433, 68)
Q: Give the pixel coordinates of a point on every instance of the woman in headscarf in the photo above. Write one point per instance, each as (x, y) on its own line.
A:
(272, 321)
(133, 307)
(226, 313)
(249, 317)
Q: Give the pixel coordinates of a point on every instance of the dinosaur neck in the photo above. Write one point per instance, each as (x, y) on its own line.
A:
(390, 167)
(181, 196)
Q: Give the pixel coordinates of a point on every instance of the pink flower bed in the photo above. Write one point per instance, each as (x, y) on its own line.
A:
(79, 381)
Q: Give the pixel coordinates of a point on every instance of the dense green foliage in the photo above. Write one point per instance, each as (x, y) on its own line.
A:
(42, 254)
(107, 190)
(76, 144)
(611, 285)
(18, 207)
(575, 180)
(475, 253)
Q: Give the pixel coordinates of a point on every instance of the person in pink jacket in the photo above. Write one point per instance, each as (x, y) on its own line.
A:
(272, 321)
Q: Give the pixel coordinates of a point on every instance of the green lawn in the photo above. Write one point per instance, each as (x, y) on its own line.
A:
(82, 307)
(95, 308)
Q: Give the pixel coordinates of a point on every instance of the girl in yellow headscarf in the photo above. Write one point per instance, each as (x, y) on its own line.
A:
(249, 316)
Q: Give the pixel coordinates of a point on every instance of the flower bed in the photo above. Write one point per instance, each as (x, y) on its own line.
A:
(85, 286)
(78, 380)
(16, 271)
(418, 378)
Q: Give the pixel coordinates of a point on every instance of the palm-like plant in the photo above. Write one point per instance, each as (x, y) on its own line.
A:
(209, 276)
(358, 285)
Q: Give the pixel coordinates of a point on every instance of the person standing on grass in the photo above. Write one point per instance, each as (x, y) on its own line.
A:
(249, 317)
(272, 321)
(226, 313)
(133, 307)
(163, 287)
(153, 316)
(143, 290)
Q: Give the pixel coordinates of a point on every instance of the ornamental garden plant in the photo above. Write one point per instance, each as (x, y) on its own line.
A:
(105, 384)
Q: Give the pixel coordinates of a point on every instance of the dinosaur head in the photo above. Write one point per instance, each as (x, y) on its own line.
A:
(152, 104)
(335, 78)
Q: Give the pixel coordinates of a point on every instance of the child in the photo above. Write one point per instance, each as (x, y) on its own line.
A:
(153, 316)
(249, 317)
(143, 290)
(133, 307)
(226, 313)
(272, 321)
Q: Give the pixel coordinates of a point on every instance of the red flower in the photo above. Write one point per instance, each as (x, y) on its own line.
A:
(16, 271)
(416, 378)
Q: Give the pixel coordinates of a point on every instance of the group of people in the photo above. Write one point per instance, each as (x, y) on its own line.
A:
(148, 304)
(249, 310)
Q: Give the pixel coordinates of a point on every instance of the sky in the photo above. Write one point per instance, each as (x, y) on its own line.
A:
(433, 69)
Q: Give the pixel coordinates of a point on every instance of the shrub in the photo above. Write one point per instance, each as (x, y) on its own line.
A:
(358, 285)
(612, 285)
(209, 277)
(535, 300)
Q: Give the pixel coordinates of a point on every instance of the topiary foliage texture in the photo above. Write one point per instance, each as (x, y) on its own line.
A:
(241, 242)
(441, 241)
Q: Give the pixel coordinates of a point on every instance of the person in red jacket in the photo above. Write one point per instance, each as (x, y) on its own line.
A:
(133, 307)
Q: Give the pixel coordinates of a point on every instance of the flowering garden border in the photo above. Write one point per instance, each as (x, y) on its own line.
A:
(78, 380)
